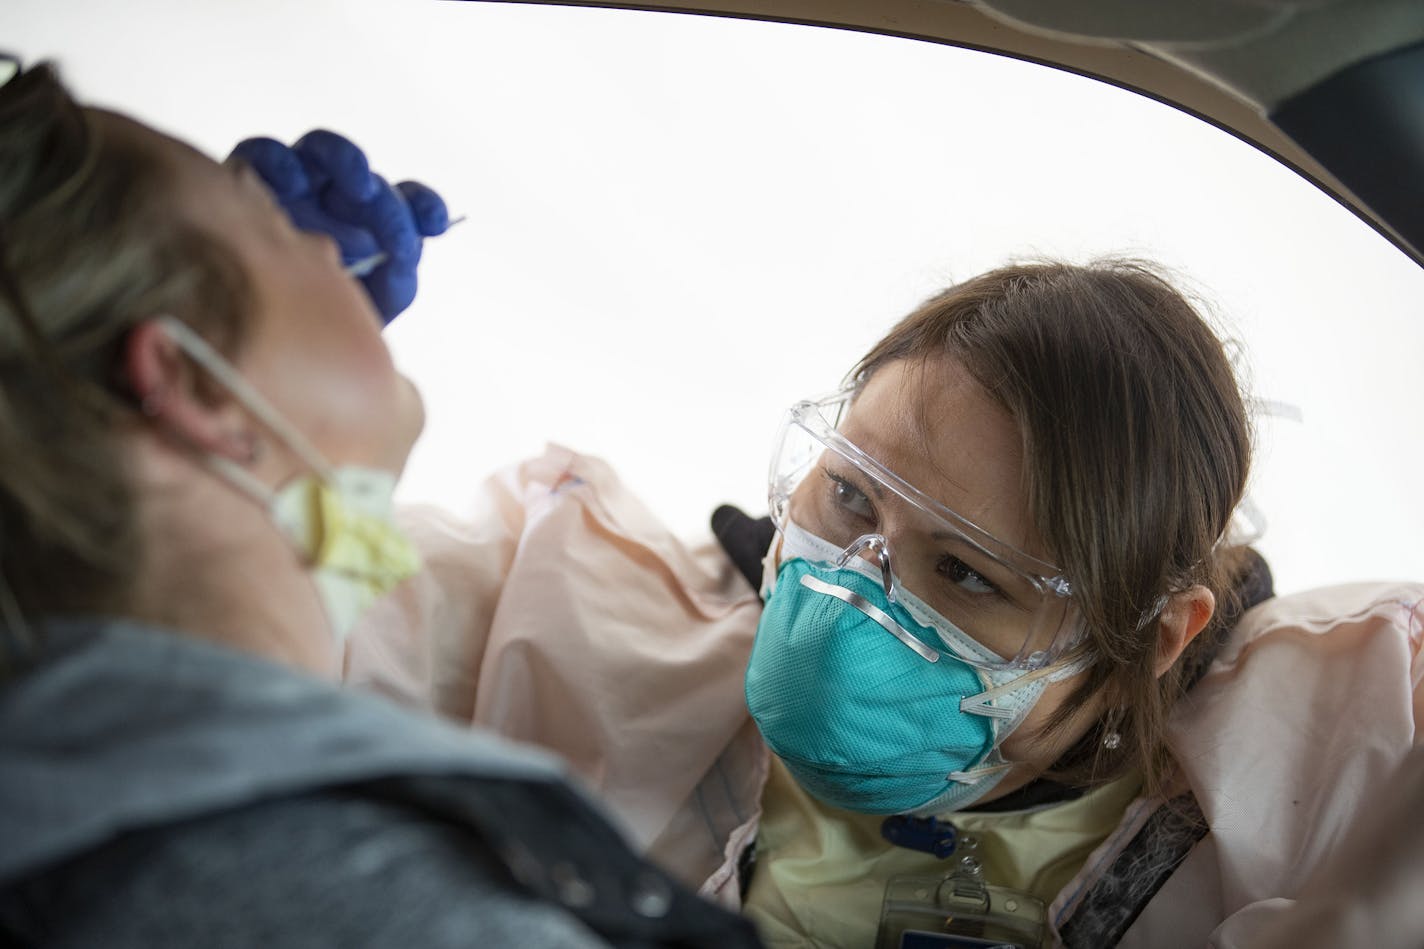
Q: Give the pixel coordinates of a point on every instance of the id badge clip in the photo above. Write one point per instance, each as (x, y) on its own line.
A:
(956, 910)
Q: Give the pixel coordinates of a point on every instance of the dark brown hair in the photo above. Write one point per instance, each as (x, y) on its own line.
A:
(1136, 447)
(91, 243)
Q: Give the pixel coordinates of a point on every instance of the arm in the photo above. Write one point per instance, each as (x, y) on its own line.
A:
(1368, 894)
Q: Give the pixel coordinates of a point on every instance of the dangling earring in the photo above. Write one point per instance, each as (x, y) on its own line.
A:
(1112, 738)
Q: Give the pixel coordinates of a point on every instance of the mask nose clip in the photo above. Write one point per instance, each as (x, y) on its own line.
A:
(881, 548)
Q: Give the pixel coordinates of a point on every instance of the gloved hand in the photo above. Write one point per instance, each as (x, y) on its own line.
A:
(745, 540)
(325, 184)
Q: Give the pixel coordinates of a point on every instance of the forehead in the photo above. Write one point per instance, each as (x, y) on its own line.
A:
(198, 185)
(179, 158)
(935, 426)
(204, 194)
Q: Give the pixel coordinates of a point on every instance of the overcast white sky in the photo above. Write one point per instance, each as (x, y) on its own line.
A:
(680, 225)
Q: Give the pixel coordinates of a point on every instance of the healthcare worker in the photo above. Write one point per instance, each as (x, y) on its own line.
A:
(990, 678)
(201, 428)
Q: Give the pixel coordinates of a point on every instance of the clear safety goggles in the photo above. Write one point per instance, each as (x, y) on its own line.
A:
(1016, 610)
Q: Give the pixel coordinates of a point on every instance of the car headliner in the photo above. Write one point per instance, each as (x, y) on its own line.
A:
(1236, 64)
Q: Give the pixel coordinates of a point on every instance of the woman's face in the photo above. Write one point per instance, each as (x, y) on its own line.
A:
(938, 429)
(313, 347)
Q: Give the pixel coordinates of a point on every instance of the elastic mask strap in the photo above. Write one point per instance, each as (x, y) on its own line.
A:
(221, 370)
(975, 775)
(242, 479)
(981, 704)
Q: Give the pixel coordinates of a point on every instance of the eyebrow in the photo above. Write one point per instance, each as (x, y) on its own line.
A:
(964, 539)
(876, 488)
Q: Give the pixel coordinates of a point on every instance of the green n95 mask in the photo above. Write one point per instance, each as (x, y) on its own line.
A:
(863, 698)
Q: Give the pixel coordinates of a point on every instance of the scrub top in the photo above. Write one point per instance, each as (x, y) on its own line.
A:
(821, 871)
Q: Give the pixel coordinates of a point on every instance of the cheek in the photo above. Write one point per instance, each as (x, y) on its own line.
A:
(410, 423)
(343, 393)
(319, 356)
(368, 407)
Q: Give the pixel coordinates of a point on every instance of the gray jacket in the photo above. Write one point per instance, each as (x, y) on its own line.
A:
(159, 791)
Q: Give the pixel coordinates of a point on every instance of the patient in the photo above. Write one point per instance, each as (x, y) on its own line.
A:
(1002, 591)
(201, 428)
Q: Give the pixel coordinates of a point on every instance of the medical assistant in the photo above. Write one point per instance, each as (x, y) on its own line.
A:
(563, 613)
(157, 790)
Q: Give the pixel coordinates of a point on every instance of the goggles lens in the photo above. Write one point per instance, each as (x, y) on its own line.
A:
(1015, 610)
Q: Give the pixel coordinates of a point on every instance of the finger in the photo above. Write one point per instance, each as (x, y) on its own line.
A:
(392, 289)
(386, 216)
(275, 164)
(427, 207)
(335, 163)
(355, 241)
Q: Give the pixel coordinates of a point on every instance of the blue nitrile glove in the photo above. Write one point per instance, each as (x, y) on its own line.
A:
(325, 184)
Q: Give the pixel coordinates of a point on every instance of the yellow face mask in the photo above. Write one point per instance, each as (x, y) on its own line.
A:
(342, 528)
(339, 518)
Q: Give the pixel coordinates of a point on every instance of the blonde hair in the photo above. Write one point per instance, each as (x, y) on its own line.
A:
(90, 244)
(1136, 446)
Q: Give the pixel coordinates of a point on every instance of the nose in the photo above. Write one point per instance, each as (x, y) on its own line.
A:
(876, 549)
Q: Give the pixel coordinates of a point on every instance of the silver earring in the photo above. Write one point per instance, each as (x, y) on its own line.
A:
(1112, 740)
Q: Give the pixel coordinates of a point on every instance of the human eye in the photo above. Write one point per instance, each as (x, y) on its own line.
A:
(848, 498)
(965, 577)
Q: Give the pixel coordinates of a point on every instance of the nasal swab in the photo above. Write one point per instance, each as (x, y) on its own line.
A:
(365, 265)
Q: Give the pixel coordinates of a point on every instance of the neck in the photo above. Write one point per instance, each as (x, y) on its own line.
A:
(216, 568)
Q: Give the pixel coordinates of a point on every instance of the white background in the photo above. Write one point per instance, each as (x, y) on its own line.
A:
(679, 225)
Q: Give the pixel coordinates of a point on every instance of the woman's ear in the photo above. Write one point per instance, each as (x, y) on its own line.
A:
(1185, 615)
(170, 391)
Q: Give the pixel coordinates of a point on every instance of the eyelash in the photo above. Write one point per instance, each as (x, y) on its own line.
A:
(948, 563)
(840, 484)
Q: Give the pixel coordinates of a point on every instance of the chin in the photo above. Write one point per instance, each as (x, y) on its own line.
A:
(412, 415)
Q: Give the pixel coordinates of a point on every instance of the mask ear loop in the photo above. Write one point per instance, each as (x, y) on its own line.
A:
(201, 352)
